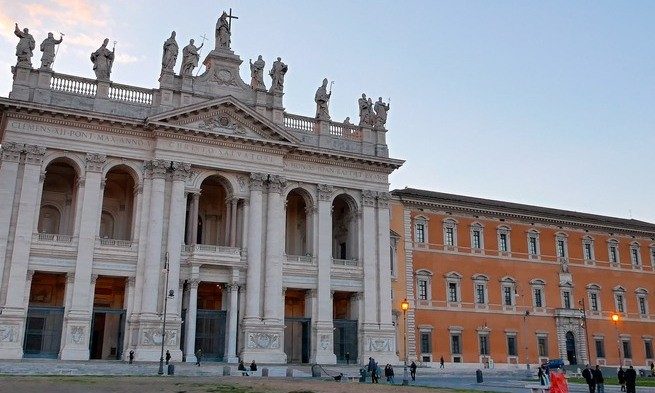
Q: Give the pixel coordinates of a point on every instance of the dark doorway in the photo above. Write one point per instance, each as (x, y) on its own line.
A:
(345, 340)
(570, 348)
(107, 332)
(45, 316)
(210, 334)
(297, 339)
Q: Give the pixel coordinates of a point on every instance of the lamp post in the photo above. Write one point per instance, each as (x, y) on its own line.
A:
(581, 302)
(167, 295)
(525, 338)
(615, 319)
(405, 306)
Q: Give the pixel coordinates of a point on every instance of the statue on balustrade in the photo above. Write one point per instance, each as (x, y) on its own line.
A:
(381, 110)
(322, 99)
(277, 74)
(169, 57)
(257, 74)
(365, 111)
(25, 46)
(190, 58)
(223, 32)
(48, 49)
(103, 59)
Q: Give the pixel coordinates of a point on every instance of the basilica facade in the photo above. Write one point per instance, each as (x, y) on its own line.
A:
(252, 232)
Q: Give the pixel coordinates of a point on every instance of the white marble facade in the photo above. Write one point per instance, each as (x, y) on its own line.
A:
(101, 180)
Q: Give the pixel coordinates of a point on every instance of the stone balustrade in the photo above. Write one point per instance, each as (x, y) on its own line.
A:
(345, 262)
(212, 249)
(301, 259)
(346, 131)
(74, 85)
(115, 242)
(300, 123)
(52, 238)
(132, 94)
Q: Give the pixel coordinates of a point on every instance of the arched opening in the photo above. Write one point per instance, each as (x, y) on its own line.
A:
(570, 348)
(117, 205)
(344, 228)
(212, 212)
(58, 199)
(298, 225)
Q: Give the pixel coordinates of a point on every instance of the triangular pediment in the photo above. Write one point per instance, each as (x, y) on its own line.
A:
(225, 116)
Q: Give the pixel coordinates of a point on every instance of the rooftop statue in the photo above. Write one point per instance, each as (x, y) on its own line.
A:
(223, 32)
(365, 111)
(48, 49)
(103, 59)
(257, 74)
(381, 110)
(277, 73)
(169, 57)
(25, 46)
(322, 99)
(190, 58)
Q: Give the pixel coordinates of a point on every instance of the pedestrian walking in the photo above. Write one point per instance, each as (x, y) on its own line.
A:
(621, 377)
(198, 356)
(375, 375)
(630, 380)
(388, 373)
(370, 367)
(588, 376)
(599, 380)
(253, 365)
(131, 356)
(441, 362)
(412, 371)
(168, 356)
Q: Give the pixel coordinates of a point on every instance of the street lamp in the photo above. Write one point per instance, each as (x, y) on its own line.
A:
(405, 306)
(168, 295)
(615, 319)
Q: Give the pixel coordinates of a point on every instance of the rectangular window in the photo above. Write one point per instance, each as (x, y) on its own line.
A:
(533, 245)
(635, 256)
(452, 292)
(627, 349)
(484, 345)
(567, 299)
(587, 251)
(561, 252)
(502, 242)
(422, 289)
(392, 260)
(613, 255)
(600, 348)
(450, 237)
(619, 303)
(648, 349)
(542, 344)
(455, 344)
(511, 346)
(479, 294)
(593, 299)
(420, 233)
(507, 296)
(538, 301)
(476, 239)
(642, 306)
(426, 342)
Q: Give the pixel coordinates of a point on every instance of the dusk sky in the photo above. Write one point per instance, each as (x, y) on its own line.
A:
(545, 103)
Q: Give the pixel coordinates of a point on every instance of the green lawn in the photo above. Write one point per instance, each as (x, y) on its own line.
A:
(614, 381)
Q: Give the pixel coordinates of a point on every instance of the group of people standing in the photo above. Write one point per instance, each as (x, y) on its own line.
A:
(596, 381)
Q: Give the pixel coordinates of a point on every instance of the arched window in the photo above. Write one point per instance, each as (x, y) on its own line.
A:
(118, 204)
(344, 228)
(212, 227)
(49, 219)
(298, 223)
(58, 198)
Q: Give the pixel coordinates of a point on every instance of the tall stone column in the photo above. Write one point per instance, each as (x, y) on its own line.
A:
(273, 303)
(384, 261)
(192, 221)
(233, 290)
(77, 319)
(190, 322)
(369, 257)
(324, 325)
(11, 153)
(233, 222)
(253, 275)
(12, 319)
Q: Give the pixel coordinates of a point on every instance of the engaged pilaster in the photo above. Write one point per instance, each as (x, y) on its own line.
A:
(273, 304)
(10, 153)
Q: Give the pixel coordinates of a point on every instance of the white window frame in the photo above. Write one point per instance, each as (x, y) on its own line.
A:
(594, 289)
(508, 282)
(642, 293)
(455, 278)
(540, 284)
(516, 345)
(451, 224)
(422, 330)
(481, 279)
(421, 220)
(635, 251)
(393, 251)
(588, 240)
(564, 239)
(504, 230)
(545, 337)
(613, 243)
(426, 276)
(619, 290)
(476, 226)
(534, 234)
(566, 289)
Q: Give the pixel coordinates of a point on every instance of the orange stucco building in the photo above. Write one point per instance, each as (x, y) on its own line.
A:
(492, 282)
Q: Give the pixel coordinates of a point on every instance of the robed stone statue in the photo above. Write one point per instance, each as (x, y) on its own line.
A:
(190, 58)
(48, 49)
(103, 59)
(257, 74)
(223, 32)
(322, 99)
(25, 46)
(277, 73)
(169, 57)
(365, 111)
(381, 110)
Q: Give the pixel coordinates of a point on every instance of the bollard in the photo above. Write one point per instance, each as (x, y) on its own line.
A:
(316, 372)
(362, 375)
(171, 369)
(478, 375)
(264, 372)
(227, 371)
(289, 372)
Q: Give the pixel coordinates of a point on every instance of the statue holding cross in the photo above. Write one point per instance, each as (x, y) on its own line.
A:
(224, 30)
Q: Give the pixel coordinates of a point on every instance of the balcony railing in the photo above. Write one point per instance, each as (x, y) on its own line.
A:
(115, 242)
(301, 259)
(212, 249)
(53, 238)
(345, 262)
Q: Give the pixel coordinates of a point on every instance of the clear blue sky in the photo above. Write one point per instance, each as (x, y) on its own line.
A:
(547, 103)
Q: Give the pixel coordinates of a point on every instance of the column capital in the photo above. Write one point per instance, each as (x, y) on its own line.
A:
(180, 170)
(30, 274)
(94, 279)
(70, 277)
(131, 281)
(232, 287)
(276, 183)
(324, 192)
(95, 162)
(257, 181)
(383, 199)
(34, 154)
(11, 151)
(193, 283)
(368, 198)
(157, 169)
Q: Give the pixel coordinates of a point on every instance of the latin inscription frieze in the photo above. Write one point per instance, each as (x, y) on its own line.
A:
(218, 152)
(335, 171)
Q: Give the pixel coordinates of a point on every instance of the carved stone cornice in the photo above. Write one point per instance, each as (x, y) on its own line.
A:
(180, 171)
(257, 181)
(158, 169)
(276, 183)
(368, 198)
(95, 162)
(324, 192)
(383, 199)
(11, 151)
(34, 154)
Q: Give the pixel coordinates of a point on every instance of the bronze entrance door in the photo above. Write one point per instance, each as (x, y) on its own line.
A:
(345, 340)
(210, 334)
(43, 332)
(297, 339)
